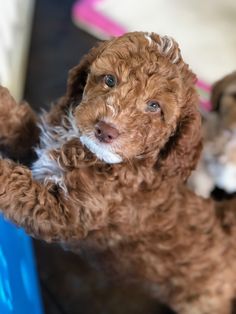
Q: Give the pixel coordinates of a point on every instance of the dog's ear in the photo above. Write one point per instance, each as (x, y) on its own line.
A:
(78, 75)
(181, 153)
(75, 85)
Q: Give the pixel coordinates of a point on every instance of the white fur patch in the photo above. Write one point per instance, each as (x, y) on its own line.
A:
(224, 176)
(102, 152)
(148, 37)
(166, 46)
(46, 169)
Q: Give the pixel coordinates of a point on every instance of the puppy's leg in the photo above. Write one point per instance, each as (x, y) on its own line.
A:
(18, 128)
(37, 208)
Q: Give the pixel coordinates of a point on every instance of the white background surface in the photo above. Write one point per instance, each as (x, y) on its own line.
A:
(205, 29)
(15, 26)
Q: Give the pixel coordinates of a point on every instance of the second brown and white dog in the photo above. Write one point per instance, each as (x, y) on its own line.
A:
(217, 165)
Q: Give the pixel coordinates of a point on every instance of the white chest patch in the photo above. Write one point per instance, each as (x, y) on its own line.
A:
(46, 169)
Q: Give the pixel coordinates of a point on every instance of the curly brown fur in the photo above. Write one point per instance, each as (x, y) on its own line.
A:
(133, 211)
(19, 131)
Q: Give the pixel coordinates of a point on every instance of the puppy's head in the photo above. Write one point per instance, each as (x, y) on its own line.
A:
(136, 101)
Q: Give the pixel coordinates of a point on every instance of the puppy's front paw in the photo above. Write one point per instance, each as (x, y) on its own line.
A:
(8, 106)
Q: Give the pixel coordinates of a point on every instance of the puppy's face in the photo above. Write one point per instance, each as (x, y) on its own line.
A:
(132, 98)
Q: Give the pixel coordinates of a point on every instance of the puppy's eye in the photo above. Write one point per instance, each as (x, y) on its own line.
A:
(153, 106)
(110, 80)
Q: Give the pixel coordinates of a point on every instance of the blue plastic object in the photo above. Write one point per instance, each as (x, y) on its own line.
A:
(19, 291)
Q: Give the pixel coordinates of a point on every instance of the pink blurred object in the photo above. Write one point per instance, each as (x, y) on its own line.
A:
(84, 14)
(204, 91)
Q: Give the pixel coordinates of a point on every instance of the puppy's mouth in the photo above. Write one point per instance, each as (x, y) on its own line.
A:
(103, 151)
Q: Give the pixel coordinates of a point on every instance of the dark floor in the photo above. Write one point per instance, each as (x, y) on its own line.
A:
(56, 46)
(68, 285)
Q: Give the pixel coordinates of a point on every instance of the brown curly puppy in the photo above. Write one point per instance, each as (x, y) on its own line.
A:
(109, 179)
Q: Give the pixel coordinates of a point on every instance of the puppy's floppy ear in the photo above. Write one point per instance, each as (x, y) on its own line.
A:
(181, 153)
(75, 85)
(78, 75)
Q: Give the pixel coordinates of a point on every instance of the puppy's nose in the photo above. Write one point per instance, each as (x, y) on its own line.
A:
(105, 133)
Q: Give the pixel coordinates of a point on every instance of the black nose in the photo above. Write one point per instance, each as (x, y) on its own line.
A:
(105, 133)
